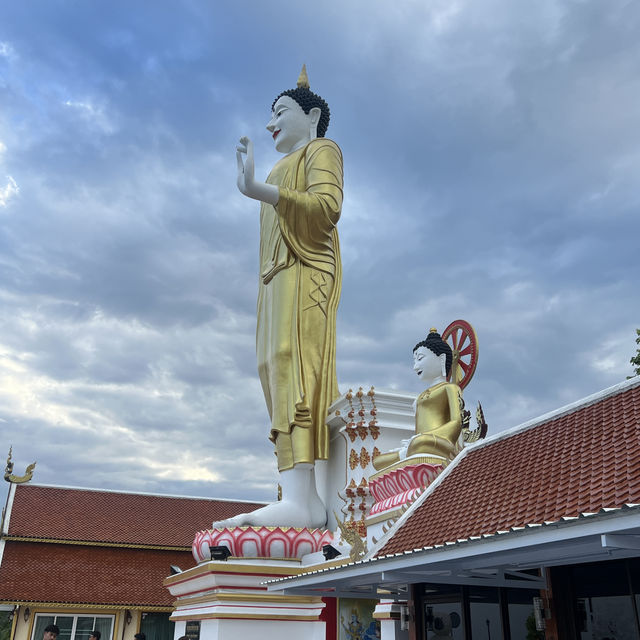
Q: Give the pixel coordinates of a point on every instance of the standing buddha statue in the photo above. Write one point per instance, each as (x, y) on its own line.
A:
(299, 291)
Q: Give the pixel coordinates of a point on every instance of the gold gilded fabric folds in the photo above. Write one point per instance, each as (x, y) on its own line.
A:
(438, 421)
(299, 291)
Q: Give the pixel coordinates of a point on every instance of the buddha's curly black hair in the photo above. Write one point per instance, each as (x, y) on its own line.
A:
(307, 101)
(437, 345)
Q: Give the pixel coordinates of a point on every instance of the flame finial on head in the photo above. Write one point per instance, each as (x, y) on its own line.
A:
(303, 78)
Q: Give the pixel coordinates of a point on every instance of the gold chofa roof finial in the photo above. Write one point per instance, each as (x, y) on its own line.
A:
(303, 78)
(8, 472)
(433, 330)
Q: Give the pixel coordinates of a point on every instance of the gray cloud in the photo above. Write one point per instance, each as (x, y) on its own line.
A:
(490, 173)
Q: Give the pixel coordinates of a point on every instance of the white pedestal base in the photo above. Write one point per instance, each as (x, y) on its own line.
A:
(232, 603)
(263, 629)
(390, 614)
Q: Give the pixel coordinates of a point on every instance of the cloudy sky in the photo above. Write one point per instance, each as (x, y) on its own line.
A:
(492, 153)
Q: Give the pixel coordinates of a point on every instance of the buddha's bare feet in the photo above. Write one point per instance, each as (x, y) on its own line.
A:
(300, 505)
(279, 514)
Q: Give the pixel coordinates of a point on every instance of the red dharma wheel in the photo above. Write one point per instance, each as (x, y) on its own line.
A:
(464, 343)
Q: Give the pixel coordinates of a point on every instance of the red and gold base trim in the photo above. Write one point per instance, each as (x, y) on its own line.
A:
(235, 590)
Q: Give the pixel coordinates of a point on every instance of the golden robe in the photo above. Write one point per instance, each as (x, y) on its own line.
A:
(438, 421)
(299, 291)
(438, 427)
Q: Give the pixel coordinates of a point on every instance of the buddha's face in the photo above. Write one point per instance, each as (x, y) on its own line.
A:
(427, 364)
(290, 125)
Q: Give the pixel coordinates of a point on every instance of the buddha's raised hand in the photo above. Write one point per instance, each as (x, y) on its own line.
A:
(246, 175)
(245, 165)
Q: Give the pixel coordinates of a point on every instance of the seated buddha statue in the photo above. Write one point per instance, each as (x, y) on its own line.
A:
(438, 408)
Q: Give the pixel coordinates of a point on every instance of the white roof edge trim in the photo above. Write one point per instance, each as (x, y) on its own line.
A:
(141, 493)
(559, 524)
(7, 515)
(557, 413)
(549, 523)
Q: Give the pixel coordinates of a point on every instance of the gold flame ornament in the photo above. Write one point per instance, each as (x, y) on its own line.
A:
(351, 537)
(8, 472)
(303, 78)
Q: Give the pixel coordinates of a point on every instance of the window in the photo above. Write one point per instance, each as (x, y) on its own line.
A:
(485, 614)
(74, 627)
(477, 613)
(157, 626)
(443, 616)
(522, 621)
(604, 603)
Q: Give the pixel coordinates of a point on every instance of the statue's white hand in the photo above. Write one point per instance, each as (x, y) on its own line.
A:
(402, 450)
(246, 175)
(246, 166)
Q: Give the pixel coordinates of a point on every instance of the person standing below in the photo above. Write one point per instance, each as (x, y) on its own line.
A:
(95, 635)
(51, 632)
(299, 290)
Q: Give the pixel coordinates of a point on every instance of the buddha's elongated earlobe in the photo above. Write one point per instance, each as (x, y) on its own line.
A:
(314, 114)
(443, 364)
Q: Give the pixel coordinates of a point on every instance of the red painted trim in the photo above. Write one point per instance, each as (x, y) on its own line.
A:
(329, 616)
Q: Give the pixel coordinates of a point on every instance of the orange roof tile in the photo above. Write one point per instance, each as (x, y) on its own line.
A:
(36, 572)
(63, 513)
(577, 462)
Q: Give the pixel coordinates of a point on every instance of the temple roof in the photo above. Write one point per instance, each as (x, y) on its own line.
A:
(63, 513)
(561, 489)
(580, 459)
(85, 546)
(83, 574)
